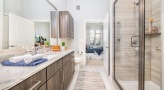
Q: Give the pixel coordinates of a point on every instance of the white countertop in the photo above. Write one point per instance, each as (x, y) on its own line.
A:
(11, 75)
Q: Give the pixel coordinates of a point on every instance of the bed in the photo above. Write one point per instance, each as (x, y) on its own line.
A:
(94, 53)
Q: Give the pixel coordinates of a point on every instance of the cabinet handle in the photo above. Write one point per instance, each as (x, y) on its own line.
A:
(61, 74)
(35, 85)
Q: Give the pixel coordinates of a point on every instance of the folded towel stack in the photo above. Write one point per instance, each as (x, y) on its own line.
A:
(19, 58)
(33, 58)
(25, 60)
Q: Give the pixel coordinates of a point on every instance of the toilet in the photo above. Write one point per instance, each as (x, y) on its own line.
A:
(78, 60)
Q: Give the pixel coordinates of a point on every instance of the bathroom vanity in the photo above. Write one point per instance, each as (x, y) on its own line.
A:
(55, 74)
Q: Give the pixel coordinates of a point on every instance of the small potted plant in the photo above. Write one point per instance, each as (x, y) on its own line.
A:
(63, 46)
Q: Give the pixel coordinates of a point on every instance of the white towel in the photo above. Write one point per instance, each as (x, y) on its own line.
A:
(19, 58)
(33, 58)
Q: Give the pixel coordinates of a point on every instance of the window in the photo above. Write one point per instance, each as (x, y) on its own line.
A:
(95, 37)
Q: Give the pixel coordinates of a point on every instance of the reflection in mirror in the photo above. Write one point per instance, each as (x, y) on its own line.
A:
(1, 22)
(23, 21)
(42, 33)
(5, 36)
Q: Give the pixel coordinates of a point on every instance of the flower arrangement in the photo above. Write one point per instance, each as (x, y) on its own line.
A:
(150, 20)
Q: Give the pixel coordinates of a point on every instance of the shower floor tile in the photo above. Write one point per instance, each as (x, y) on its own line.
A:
(133, 85)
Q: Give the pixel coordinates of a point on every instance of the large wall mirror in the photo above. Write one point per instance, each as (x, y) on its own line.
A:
(24, 23)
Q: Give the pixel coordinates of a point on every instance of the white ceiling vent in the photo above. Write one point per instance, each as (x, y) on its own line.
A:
(77, 7)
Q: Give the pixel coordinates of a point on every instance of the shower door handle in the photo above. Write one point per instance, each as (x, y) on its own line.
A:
(134, 42)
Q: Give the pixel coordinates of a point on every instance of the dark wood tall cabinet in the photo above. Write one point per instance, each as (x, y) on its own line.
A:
(66, 25)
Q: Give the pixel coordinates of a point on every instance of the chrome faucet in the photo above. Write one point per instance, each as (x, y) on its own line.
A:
(38, 49)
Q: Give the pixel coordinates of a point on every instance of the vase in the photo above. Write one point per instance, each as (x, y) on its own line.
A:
(150, 26)
(63, 48)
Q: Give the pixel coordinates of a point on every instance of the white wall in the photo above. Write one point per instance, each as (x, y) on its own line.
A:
(40, 10)
(162, 36)
(5, 38)
(43, 29)
(14, 6)
(89, 9)
(1, 22)
(9, 6)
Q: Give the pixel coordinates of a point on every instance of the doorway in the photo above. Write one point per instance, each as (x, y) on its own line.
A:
(97, 39)
(94, 43)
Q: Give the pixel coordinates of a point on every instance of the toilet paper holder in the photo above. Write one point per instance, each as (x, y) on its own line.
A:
(80, 53)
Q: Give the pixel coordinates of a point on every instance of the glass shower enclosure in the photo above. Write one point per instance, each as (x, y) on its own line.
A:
(137, 43)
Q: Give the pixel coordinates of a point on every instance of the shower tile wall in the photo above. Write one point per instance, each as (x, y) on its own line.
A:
(148, 10)
(156, 44)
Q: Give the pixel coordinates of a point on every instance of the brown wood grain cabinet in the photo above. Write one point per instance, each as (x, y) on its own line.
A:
(68, 70)
(43, 87)
(32, 83)
(66, 25)
(56, 76)
(56, 81)
(53, 68)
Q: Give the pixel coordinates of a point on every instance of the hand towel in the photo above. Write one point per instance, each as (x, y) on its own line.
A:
(33, 58)
(19, 58)
(22, 63)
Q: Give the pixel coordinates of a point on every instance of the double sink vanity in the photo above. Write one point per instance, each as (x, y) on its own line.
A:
(55, 74)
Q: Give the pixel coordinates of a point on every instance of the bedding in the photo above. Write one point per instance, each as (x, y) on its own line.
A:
(97, 50)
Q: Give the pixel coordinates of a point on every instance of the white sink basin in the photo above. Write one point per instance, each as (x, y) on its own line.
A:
(49, 56)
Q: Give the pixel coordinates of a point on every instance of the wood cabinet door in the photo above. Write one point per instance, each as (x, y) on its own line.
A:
(66, 75)
(43, 87)
(56, 81)
(54, 68)
(66, 25)
(72, 67)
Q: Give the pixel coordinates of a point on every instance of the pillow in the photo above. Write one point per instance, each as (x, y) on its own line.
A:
(87, 47)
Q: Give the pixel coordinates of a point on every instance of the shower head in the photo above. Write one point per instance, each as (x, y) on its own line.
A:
(136, 4)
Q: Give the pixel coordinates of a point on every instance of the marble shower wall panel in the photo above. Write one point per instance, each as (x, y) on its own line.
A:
(156, 44)
(156, 59)
(147, 58)
(148, 10)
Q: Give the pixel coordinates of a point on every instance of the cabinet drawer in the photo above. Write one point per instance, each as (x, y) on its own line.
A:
(53, 68)
(68, 57)
(33, 82)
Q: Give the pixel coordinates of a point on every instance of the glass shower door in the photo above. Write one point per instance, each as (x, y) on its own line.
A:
(126, 43)
(137, 59)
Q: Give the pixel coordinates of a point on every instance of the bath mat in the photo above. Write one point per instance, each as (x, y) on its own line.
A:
(89, 81)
